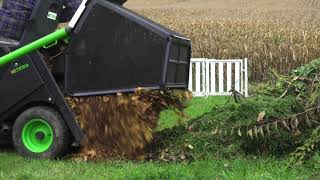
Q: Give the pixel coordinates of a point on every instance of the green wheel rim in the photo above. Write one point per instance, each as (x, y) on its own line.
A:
(37, 136)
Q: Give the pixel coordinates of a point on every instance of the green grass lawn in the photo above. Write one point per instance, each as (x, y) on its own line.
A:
(195, 108)
(13, 166)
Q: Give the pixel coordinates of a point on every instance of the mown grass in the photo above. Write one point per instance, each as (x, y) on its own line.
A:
(195, 108)
(15, 167)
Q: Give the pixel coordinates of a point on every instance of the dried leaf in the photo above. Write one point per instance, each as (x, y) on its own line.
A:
(261, 131)
(225, 133)
(276, 125)
(268, 129)
(190, 146)
(191, 127)
(291, 123)
(232, 132)
(141, 157)
(250, 133)
(183, 157)
(261, 116)
(284, 123)
(296, 122)
(297, 132)
(308, 120)
(215, 131)
(255, 129)
(239, 132)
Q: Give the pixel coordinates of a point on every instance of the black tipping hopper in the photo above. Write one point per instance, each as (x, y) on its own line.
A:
(114, 49)
(111, 49)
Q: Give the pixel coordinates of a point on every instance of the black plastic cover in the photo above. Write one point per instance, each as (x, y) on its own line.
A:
(15, 87)
(114, 49)
(39, 25)
(27, 82)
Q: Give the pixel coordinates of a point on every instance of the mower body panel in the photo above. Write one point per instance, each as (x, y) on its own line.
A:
(27, 82)
(113, 49)
(17, 81)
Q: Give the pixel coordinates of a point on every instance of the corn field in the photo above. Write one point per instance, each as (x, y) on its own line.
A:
(279, 38)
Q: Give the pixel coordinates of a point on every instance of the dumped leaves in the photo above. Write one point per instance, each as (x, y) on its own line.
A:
(121, 125)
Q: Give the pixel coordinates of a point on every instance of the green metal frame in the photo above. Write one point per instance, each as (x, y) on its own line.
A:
(40, 43)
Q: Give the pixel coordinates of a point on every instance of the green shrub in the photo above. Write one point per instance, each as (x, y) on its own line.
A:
(198, 139)
(273, 122)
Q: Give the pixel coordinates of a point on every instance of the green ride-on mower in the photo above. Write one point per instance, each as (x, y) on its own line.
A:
(110, 49)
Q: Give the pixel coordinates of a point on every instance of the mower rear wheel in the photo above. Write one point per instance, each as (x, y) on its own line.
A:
(40, 132)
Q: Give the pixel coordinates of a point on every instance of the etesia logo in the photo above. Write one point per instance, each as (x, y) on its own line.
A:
(52, 15)
(20, 68)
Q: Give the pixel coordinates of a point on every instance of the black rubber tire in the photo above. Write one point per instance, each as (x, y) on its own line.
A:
(61, 133)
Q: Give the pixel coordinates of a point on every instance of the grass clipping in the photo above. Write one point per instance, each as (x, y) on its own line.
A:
(121, 125)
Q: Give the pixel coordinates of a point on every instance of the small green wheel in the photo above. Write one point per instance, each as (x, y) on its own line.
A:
(40, 132)
(37, 136)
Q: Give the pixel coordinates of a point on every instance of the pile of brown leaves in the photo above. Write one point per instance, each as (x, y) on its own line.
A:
(121, 125)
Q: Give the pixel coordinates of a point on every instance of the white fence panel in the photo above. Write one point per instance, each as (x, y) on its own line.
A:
(221, 76)
(211, 77)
